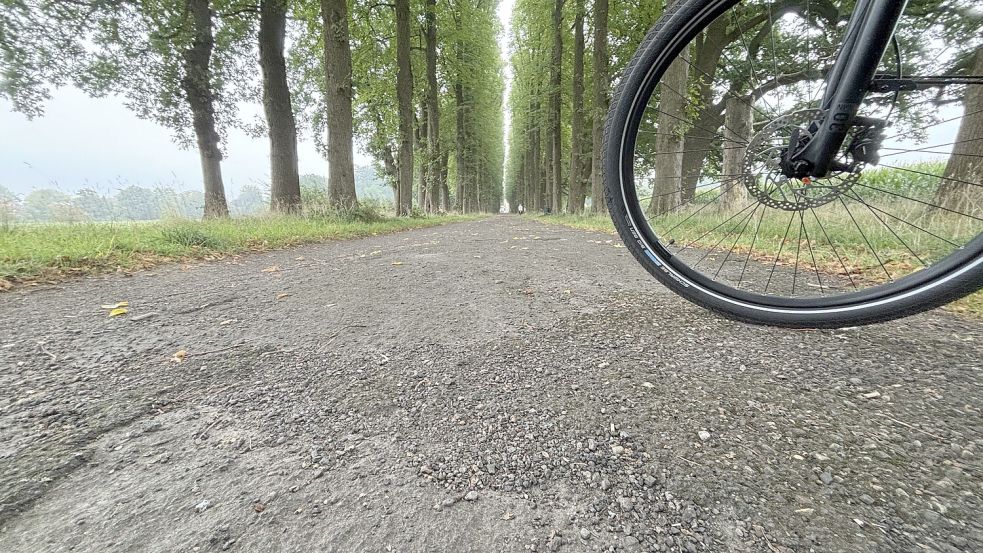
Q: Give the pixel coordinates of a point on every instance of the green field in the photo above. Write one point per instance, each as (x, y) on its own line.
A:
(46, 252)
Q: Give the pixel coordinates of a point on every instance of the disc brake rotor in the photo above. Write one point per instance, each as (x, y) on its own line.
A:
(763, 176)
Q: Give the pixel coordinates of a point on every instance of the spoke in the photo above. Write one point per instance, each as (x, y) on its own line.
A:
(724, 237)
(713, 133)
(729, 219)
(928, 152)
(732, 95)
(891, 230)
(923, 173)
(750, 59)
(937, 145)
(798, 251)
(691, 215)
(919, 201)
(736, 240)
(833, 247)
(864, 236)
(774, 51)
(964, 116)
(754, 240)
(899, 219)
(780, 249)
(718, 183)
(812, 254)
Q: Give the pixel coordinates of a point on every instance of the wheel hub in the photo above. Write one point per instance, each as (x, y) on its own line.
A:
(764, 175)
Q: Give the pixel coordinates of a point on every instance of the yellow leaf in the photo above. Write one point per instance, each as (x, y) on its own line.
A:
(179, 356)
(118, 311)
(282, 295)
(397, 263)
(272, 269)
(300, 258)
(117, 305)
(377, 252)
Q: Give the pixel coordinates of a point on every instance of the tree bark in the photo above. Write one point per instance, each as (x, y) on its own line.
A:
(738, 125)
(338, 96)
(668, 165)
(197, 87)
(601, 101)
(404, 95)
(284, 175)
(965, 163)
(556, 82)
(576, 202)
(535, 176)
(432, 162)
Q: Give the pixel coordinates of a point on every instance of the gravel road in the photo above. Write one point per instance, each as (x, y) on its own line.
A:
(497, 385)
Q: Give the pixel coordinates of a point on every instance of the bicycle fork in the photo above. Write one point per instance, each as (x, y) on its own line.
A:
(812, 153)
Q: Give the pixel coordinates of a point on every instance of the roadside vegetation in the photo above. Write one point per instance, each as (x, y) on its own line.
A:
(31, 253)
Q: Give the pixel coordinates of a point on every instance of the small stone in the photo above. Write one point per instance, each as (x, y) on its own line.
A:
(585, 534)
(867, 499)
(591, 444)
(603, 365)
(856, 381)
(872, 395)
(704, 435)
(318, 474)
(826, 478)
(259, 507)
(617, 449)
(203, 506)
(605, 484)
(471, 496)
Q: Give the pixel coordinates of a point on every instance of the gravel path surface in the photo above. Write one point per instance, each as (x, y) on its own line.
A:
(497, 385)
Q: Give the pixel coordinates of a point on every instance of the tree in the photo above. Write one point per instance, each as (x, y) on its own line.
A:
(435, 198)
(960, 188)
(556, 134)
(600, 103)
(338, 97)
(404, 93)
(160, 56)
(576, 201)
(284, 175)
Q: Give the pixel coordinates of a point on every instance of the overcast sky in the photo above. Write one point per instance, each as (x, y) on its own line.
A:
(98, 143)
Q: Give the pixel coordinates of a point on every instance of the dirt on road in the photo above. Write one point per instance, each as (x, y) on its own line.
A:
(497, 385)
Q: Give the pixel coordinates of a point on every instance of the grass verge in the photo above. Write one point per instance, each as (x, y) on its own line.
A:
(766, 250)
(50, 252)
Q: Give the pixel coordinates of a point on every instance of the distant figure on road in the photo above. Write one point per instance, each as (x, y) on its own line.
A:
(521, 210)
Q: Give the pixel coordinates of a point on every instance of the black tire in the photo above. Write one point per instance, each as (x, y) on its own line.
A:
(958, 275)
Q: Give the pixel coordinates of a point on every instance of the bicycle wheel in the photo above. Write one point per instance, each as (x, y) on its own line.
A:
(695, 134)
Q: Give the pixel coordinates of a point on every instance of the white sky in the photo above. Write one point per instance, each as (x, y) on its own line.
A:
(98, 143)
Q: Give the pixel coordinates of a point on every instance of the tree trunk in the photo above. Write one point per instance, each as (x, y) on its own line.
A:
(338, 96)
(284, 175)
(404, 94)
(965, 163)
(535, 175)
(432, 162)
(576, 202)
(668, 165)
(197, 87)
(556, 82)
(738, 124)
(445, 191)
(601, 101)
(422, 199)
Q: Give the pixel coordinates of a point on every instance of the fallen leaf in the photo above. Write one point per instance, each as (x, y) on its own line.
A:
(272, 269)
(117, 305)
(397, 263)
(377, 252)
(299, 258)
(259, 507)
(226, 322)
(282, 295)
(179, 356)
(118, 311)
